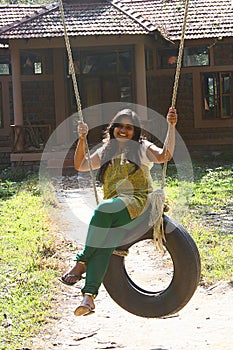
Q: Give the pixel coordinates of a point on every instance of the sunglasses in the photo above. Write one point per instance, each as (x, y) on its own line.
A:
(122, 126)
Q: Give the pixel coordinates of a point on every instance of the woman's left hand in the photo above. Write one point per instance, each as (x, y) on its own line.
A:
(172, 116)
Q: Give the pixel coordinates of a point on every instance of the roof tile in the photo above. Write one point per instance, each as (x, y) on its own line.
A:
(206, 19)
(81, 19)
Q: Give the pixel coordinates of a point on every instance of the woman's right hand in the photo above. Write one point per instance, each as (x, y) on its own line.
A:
(82, 129)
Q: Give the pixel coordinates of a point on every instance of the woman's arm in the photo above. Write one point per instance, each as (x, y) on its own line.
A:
(80, 160)
(156, 154)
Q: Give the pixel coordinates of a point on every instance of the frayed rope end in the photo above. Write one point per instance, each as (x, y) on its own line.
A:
(157, 199)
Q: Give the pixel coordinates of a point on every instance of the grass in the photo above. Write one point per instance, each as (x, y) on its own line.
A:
(211, 193)
(27, 264)
(29, 249)
(214, 189)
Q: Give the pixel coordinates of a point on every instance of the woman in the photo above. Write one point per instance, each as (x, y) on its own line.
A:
(124, 162)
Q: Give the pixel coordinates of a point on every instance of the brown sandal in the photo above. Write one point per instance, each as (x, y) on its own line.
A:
(76, 277)
(63, 279)
(85, 308)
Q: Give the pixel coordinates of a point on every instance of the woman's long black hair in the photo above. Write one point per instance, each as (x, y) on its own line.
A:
(132, 150)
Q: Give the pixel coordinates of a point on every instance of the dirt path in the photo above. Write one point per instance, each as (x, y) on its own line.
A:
(206, 322)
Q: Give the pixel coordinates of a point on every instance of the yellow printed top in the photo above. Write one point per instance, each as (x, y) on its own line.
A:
(122, 181)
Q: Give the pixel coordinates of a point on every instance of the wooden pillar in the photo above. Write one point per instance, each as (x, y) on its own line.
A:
(60, 95)
(17, 95)
(140, 71)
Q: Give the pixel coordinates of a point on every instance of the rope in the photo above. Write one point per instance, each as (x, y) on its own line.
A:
(121, 253)
(175, 89)
(158, 196)
(77, 95)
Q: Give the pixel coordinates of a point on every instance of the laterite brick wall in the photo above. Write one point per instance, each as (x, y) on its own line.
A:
(38, 102)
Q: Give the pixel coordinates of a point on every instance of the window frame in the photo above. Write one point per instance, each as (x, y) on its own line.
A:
(226, 94)
(198, 98)
(5, 54)
(174, 55)
(214, 100)
(35, 58)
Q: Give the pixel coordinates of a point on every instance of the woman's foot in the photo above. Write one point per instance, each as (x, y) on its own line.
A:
(86, 307)
(74, 275)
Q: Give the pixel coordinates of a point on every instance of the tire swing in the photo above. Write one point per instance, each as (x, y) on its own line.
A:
(186, 274)
(178, 243)
(176, 240)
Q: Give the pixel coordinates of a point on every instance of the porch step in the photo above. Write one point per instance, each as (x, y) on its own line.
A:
(52, 161)
(60, 163)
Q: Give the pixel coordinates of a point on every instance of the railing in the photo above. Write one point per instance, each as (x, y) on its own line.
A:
(30, 138)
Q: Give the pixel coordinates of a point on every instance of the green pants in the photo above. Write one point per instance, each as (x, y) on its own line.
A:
(104, 235)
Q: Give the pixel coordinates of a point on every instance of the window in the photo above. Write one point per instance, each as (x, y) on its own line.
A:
(36, 62)
(218, 95)
(103, 63)
(195, 56)
(192, 57)
(109, 71)
(167, 58)
(100, 63)
(30, 64)
(5, 64)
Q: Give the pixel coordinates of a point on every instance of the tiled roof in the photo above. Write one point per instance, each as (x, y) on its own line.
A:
(101, 18)
(14, 13)
(206, 19)
(12, 17)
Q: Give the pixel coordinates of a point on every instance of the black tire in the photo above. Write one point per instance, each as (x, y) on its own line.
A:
(186, 276)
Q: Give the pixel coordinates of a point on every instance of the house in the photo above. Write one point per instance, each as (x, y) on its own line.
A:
(123, 51)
